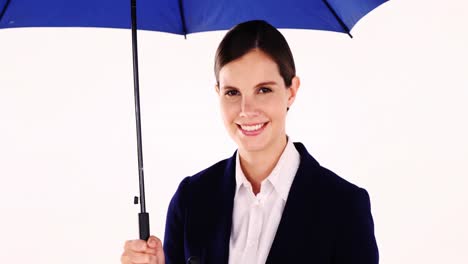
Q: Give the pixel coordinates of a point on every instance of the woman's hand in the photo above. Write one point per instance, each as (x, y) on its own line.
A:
(143, 252)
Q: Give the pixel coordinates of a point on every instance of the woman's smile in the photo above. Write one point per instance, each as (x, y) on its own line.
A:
(253, 99)
(252, 129)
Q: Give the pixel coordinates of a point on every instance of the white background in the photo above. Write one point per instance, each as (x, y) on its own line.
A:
(386, 110)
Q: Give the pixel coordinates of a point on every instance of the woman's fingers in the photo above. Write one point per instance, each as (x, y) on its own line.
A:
(135, 245)
(154, 242)
(155, 247)
(139, 258)
(143, 252)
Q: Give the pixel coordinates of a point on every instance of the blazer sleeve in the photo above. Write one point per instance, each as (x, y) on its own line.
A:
(356, 240)
(174, 232)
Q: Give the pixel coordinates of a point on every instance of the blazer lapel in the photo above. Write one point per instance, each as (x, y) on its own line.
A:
(217, 250)
(291, 230)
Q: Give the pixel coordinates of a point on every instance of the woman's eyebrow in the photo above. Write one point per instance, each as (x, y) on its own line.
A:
(266, 83)
(226, 87)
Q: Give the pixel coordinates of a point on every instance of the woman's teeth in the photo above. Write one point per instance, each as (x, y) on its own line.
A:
(252, 128)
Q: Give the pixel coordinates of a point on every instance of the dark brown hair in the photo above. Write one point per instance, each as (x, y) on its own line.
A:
(256, 34)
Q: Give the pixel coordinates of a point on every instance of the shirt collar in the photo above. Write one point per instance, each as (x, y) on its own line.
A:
(282, 175)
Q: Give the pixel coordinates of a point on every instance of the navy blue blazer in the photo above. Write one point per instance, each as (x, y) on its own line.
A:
(326, 220)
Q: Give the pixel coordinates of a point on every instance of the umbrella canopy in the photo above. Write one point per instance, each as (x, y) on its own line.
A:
(184, 17)
(180, 17)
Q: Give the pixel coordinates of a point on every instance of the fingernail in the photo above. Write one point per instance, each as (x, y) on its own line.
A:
(152, 243)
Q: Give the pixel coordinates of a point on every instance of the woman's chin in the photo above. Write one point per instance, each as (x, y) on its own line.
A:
(251, 146)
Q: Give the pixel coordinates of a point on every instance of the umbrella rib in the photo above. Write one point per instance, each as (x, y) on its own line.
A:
(4, 9)
(342, 24)
(182, 17)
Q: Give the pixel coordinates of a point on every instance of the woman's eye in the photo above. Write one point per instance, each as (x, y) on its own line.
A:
(232, 92)
(264, 90)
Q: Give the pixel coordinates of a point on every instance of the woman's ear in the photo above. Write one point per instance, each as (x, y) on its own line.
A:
(217, 88)
(295, 83)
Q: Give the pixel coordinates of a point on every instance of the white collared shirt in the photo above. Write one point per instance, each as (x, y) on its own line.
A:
(255, 219)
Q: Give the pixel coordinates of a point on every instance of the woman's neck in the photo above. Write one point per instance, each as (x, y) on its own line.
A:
(257, 165)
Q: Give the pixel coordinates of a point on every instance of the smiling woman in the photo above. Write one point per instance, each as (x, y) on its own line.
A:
(271, 202)
(254, 100)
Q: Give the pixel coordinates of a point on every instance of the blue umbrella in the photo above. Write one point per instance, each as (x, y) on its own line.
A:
(181, 17)
(184, 17)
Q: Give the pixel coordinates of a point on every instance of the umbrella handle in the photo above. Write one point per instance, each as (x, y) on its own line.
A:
(143, 221)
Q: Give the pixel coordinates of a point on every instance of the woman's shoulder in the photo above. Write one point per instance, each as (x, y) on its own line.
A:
(212, 171)
(206, 187)
(219, 174)
(323, 178)
(336, 182)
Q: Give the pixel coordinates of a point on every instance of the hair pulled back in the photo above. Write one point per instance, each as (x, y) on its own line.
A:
(256, 34)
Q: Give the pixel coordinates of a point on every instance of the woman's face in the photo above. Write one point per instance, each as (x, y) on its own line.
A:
(253, 100)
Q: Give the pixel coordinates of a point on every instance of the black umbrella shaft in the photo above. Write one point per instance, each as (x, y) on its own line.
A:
(136, 84)
(143, 216)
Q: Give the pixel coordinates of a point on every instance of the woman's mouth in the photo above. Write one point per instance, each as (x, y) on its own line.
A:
(253, 129)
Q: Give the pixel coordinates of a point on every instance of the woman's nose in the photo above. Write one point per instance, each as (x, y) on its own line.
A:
(248, 107)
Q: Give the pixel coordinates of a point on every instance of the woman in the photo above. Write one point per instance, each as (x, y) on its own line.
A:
(271, 202)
